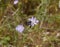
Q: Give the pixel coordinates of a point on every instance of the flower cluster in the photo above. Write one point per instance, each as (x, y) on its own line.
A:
(33, 21)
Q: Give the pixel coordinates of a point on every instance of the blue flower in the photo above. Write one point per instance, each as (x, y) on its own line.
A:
(20, 28)
(33, 20)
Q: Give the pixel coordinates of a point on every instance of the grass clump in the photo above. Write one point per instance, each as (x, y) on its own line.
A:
(44, 16)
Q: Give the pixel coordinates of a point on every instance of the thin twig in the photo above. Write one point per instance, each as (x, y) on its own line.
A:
(15, 12)
(41, 23)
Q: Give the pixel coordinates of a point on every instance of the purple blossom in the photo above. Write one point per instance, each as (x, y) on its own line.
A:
(33, 20)
(16, 1)
(20, 28)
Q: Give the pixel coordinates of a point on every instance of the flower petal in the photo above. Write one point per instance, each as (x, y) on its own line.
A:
(16, 1)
